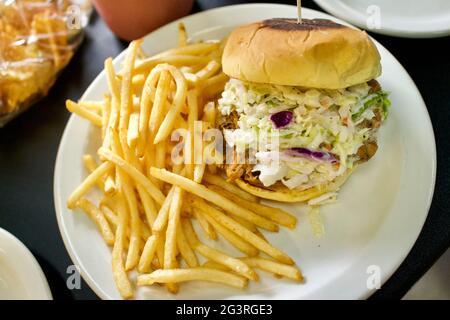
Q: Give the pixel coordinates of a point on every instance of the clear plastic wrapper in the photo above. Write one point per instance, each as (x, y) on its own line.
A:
(37, 40)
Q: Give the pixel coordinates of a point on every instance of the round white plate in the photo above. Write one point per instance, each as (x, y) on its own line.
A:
(374, 224)
(401, 18)
(21, 277)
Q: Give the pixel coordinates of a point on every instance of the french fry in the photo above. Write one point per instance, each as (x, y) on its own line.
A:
(230, 187)
(110, 216)
(113, 121)
(209, 114)
(275, 214)
(133, 130)
(96, 106)
(194, 50)
(97, 216)
(193, 274)
(135, 224)
(185, 250)
(178, 100)
(91, 165)
(148, 254)
(189, 145)
(175, 60)
(206, 226)
(211, 196)
(88, 183)
(162, 89)
(214, 265)
(163, 214)
(137, 176)
(207, 72)
(199, 171)
(110, 185)
(145, 109)
(106, 112)
(93, 117)
(182, 36)
(120, 276)
(125, 92)
(148, 204)
(274, 267)
(233, 238)
(216, 255)
(172, 227)
(241, 231)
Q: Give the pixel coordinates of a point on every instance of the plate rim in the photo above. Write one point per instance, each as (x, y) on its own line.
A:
(337, 8)
(58, 163)
(21, 250)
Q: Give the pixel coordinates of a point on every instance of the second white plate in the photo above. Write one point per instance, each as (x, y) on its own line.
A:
(370, 229)
(401, 18)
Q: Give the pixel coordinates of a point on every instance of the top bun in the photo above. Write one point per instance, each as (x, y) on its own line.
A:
(316, 53)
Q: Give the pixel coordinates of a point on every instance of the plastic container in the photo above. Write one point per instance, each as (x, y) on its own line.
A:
(37, 40)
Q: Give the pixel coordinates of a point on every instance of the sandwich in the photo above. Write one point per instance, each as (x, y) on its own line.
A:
(310, 87)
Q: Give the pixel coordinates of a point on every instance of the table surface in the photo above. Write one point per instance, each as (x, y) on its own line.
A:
(28, 147)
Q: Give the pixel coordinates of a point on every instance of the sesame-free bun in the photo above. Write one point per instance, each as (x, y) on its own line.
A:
(315, 54)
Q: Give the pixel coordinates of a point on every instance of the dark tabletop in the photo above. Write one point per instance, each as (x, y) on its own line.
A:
(28, 147)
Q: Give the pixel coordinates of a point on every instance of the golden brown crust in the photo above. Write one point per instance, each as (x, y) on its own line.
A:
(315, 54)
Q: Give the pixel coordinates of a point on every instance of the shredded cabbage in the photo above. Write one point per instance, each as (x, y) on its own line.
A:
(323, 120)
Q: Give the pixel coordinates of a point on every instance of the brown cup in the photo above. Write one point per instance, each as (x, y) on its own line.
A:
(133, 19)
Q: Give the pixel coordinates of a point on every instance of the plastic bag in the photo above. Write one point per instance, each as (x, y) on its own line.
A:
(37, 40)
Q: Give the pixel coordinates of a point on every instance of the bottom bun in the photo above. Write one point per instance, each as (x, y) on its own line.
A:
(284, 194)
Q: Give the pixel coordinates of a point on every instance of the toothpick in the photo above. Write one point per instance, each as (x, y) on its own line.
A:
(299, 11)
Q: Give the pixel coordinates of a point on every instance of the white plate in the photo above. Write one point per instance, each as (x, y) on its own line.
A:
(21, 277)
(379, 215)
(401, 18)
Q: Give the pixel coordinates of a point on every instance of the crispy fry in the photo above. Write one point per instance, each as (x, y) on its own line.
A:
(221, 182)
(216, 255)
(175, 60)
(217, 199)
(189, 149)
(241, 231)
(106, 113)
(148, 254)
(91, 165)
(138, 177)
(185, 250)
(87, 114)
(148, 204)
(182, 36)
(291, 272)
(194, 50)
(172, 227)
(133, 130)
(163, 214)
(233, 238)
(162, 89)
(97, 216)
(275, 214)
(96, 106)
(88, 183)
(179, 99)
(183, 275)
(135, 224)
(214, 265)
(125, 92)
(120, 276)
(206, 226)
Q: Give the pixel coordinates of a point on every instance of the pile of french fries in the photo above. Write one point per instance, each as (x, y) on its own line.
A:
(149, 203)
